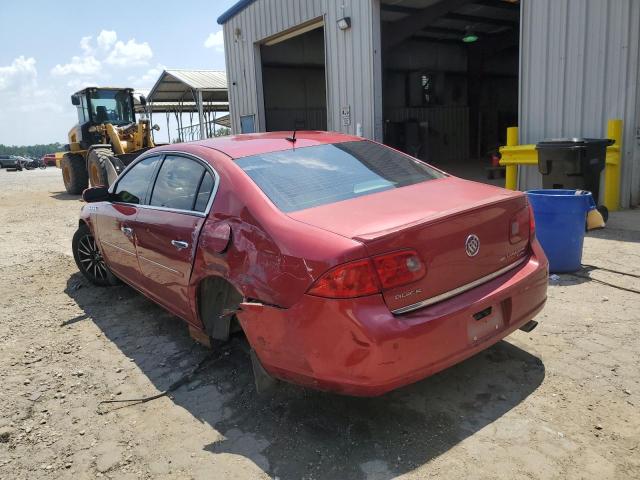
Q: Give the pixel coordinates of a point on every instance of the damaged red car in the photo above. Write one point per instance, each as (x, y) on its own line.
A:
(349, 266)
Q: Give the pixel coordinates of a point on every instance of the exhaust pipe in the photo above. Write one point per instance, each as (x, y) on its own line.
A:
(529, 326)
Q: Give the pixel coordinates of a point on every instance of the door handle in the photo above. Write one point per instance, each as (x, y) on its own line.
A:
(179, 244)
(128, 231)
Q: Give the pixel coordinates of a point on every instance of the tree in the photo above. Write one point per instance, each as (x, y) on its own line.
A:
(35, 151)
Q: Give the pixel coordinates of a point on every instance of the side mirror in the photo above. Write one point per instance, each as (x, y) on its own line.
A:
(156, 127)
(96, 194)
(143, 100)
(75, 100)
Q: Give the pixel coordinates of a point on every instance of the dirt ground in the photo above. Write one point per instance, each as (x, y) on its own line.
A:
(560, 402)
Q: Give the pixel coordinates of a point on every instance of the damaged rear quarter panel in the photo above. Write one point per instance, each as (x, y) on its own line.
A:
(271, 258)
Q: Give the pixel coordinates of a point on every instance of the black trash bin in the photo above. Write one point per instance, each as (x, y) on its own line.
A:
(573, 163)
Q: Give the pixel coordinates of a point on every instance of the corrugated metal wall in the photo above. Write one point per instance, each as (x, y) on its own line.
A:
(578, 68)
(352, 67)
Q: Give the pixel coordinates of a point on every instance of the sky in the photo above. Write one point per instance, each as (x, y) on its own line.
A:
(51, 48)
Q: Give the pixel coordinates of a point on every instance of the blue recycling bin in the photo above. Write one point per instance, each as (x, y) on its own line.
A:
(560, 217)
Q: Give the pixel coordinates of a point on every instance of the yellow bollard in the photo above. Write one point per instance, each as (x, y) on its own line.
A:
(612, 166)
(511, 171)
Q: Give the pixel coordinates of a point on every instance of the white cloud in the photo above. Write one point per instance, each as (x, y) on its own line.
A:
(88, 65)
(215, 40)
(85, 45)
(85, 64)
(148, 78)
(22, 98)
(130, 54)
(106, 38)
(21, 74)
(78, 83)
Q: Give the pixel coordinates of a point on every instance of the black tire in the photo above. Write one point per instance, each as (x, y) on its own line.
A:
(74, 173)
(89, 259)
(99, 162)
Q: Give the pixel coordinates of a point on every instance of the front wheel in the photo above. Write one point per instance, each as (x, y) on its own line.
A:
(74, 173)
(104, 167)
(89, 259)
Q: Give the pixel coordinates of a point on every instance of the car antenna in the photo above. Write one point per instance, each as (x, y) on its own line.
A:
(292, 138)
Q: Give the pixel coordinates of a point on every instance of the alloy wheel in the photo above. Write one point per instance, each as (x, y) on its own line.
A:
(90, 258)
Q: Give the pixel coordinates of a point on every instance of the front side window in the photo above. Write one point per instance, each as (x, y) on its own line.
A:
(307, 177)
(112, 106)
(178, 182)
(133, 186)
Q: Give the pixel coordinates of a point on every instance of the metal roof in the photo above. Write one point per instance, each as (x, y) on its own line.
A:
(234, 10)
(181, 85)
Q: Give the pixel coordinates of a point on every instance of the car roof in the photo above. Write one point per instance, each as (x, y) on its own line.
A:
(244, 145)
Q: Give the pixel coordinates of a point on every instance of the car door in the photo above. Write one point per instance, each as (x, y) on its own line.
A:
(167, 229)
(114, 220)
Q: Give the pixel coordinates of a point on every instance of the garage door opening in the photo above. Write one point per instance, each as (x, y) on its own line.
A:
(450, 80)
(293, 81)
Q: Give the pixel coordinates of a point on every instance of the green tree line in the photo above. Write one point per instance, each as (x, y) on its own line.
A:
(35, 151)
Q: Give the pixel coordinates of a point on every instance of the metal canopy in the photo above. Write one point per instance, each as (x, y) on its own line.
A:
(199, 91)
(180, 85)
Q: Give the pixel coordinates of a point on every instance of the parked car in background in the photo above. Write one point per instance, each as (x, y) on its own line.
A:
(8, 161)
(49, 159)
(350, 266)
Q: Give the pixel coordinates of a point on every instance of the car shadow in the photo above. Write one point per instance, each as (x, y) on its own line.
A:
(293, 432)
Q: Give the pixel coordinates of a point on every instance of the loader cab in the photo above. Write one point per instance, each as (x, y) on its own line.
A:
(99, 106)
(104, 105)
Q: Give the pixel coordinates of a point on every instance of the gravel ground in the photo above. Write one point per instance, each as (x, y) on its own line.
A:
(560, 402)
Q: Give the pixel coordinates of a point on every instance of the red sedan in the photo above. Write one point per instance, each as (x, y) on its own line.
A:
(349, 266)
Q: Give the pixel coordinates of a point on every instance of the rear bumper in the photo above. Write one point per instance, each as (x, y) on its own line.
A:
(358, 347)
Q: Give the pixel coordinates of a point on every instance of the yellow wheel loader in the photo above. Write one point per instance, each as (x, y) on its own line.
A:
(106, 139)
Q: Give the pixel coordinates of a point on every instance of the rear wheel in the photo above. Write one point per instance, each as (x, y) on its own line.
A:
(103, 166)
(74, 173)
(89, 259)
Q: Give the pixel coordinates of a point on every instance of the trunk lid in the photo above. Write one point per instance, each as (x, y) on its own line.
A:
(436, 219)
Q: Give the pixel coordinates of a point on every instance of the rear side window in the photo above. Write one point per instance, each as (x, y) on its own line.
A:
(204, 192)
(177, 183)
(132, 187)
(307, 177)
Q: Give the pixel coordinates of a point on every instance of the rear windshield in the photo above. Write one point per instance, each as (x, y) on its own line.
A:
(311, 176)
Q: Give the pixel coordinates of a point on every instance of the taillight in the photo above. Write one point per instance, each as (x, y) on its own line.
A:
(366, 277)
(353, 279)
(399, 268)
(532, 224)
(519, 227)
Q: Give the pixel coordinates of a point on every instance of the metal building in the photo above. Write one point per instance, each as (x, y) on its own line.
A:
(440, 79)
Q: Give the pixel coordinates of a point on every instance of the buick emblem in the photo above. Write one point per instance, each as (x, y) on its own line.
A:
(472, 245)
